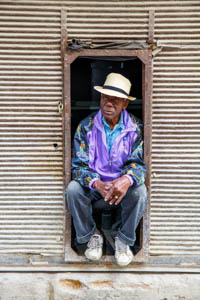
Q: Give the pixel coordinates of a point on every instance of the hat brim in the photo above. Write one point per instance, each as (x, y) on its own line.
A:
(112, 93)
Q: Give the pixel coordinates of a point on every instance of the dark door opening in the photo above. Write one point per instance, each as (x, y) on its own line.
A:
(85, 74)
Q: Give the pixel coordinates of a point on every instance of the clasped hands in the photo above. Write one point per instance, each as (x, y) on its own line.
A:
(113, 191)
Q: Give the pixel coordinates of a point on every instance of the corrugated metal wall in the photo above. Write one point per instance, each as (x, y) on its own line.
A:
(31, 158)
(31, 87)
(175, 208)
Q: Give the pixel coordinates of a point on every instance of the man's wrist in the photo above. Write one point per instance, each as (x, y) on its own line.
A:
(91, 184)
(94, 185)
(130, 179)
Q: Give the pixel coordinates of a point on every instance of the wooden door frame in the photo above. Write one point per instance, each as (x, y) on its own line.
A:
(146, 58)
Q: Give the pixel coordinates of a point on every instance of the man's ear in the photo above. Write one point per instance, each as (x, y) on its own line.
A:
(126, 102)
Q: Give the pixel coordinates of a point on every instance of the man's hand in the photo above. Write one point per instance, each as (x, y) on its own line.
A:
(103, 187)
(118, 190)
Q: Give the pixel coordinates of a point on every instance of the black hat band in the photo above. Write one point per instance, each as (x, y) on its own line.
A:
(109, 87)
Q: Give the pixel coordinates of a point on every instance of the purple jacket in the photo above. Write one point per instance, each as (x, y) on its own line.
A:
(90, 156)
(109, 166)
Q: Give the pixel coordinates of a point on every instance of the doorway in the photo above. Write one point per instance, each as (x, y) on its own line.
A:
(83, 70)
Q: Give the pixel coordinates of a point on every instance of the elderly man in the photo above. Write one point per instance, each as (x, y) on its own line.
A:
(108, 163)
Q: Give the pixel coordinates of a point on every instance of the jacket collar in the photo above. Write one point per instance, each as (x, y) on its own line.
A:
(128, 122)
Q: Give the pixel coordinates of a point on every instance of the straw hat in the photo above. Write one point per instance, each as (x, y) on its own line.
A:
(116, 85)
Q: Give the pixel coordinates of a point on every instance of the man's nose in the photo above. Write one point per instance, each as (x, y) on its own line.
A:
(109, 103)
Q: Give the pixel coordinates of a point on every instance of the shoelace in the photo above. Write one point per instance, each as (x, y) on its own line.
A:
(95, 241)
(121, 247)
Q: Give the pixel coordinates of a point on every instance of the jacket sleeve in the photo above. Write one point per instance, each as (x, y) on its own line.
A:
(80, 158)
(135, 166)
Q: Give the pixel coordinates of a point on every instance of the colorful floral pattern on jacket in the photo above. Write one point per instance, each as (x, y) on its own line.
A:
(90, 158)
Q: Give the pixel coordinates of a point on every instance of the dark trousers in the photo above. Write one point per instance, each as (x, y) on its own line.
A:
(79, 200)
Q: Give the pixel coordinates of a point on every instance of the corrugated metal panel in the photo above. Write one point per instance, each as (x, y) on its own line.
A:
(31, 157)
(31, 192)
(175, 203)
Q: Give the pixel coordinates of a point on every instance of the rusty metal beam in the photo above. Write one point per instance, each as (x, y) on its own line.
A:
(141, 54)
(63, 32)
(151, 27)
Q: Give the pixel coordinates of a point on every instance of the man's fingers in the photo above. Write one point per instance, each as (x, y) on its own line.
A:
(113, 199)
(109, 194)
(119, 200)
(116, 199)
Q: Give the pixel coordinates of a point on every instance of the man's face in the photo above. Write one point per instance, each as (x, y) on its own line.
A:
(112, 106)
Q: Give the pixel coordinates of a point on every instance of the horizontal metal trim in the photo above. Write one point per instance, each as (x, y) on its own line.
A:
(24, 63)
(182, 240)
(30, 246)
(34, 67)
(27, 46)
(176, 206)
(41, 39)
(171, 195)
(101, 35)
(190, 180)
(174, 227)
(33, 206)
(23, 187)
(108, 24)
(164, 219)
(30, 10)
(19, 31)
(106, 31)
(35, 225)
(177, 247)
(27, 52)
(20, 23)
(27, 56)
(182, 215)
(134, 6)
(172, 252)
(21, 18)
(141, 268)
(35, 220)
(27, 242)
(43, 251)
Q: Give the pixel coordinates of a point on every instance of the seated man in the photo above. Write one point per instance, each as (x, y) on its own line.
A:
(108, 163)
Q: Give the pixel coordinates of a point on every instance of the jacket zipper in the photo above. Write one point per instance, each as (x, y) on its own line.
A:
(110, 164)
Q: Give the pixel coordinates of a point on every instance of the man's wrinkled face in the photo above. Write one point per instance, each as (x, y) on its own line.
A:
(112, 106)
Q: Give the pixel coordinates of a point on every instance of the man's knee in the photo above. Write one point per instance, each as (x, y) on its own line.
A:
(73, 191)
(72, 188)
(137, 194)
(140, 192)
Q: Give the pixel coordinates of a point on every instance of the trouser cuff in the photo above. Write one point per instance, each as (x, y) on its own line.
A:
(124, 239)
(84, 239)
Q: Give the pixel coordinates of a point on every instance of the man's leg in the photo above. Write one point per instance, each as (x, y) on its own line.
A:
(79, 203)
(133, 206)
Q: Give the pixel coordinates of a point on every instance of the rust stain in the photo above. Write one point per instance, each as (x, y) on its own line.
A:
(70, 283)
(134, 285)
(105, 283)
(142, 285)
